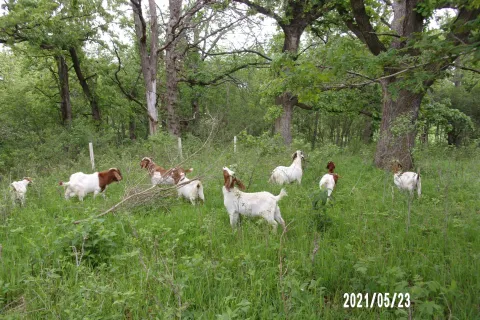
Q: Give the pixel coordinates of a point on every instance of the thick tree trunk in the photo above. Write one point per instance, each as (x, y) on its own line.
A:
(171, 66)
(91, 97)
(148, 58)
(65, 104)
(283, 124)
(398, 127)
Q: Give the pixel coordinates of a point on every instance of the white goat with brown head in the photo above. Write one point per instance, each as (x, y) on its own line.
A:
(407, 181)
(329, 180)
(161, 175)
(190, 189)
(80, 184)
(257, 204)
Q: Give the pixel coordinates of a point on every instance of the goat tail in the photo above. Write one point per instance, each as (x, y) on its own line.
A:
(282, 194)
(419, 183)
(419, 186)
(200, 191)
(189, 170)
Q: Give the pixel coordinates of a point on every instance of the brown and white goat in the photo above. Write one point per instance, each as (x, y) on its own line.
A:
(81, 184)
(408, 181)
(329, 180)
(19, 189)
(160, 175)
(257, 204)
(190, 190)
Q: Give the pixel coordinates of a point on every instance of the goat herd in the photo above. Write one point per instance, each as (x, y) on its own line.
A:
(257, 204)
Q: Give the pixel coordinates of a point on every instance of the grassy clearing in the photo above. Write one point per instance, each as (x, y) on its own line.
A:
(166, 258)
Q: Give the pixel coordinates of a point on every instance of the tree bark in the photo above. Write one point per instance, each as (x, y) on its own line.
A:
(397, 127)
(91, 97)
(148, 58)
(65, 104)
(171, 66)
(283, 124)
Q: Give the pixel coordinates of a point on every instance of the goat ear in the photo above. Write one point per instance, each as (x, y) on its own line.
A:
(294, 155)
(227, 183)
(117, 175)
(240, 184)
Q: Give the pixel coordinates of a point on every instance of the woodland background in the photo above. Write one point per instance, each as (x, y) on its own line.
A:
(118, 71)
(358, 82)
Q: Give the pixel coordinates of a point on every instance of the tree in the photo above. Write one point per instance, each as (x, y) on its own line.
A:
(412, 60)
(148, 57)
(57, 27)
(293, 17)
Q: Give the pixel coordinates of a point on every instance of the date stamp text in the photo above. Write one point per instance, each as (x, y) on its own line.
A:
(376, 300)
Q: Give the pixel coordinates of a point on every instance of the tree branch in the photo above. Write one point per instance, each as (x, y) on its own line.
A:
(364, 26)
(218, 78)
(262, 10)
(240, 51)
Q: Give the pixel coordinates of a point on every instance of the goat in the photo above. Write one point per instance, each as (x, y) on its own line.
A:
(329, 180)
(281, 174)
(160, 175)
(190, 191)
(19, 189)
(257, 204)
(408, 181)
(81, 184)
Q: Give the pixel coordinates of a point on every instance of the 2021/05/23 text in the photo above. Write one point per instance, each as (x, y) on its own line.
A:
(376, 299)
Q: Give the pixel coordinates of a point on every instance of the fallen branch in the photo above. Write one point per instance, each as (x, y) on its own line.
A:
(136, 195)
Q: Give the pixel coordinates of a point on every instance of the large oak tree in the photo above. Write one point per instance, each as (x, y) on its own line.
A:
(412, 59)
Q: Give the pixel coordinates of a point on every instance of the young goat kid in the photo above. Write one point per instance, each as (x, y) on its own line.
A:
(258, 204)
(281, 174)
(160, 175)
(19, 189)
(408, 181)
(190, 191)
(81, 184)
(329, 180)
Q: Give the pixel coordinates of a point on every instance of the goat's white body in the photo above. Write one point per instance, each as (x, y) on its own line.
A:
(81, 184)
(281, 174)
(408, 181)
(191, 191)
(19, 189)
(258, 204)
(157, 178)
(327, 183)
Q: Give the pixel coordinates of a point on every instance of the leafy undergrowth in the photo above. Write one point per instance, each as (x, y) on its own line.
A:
(163, 258)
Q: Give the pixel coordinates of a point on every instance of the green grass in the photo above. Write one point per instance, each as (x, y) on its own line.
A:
(165, 258)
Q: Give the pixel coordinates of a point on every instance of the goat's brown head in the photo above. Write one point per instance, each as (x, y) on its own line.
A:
(117, 175)
(230, 180)
(396, 166)
(28, 179)
(108, 176)
(145, 162)
(330, 166)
